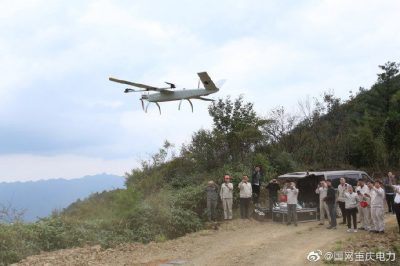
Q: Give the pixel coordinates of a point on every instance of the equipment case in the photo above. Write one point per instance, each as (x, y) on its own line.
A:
(303, 215)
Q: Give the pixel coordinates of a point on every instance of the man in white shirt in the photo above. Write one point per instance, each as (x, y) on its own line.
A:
(292, 192)
(322, 190)
(377, 207)
(226, 194)
(245, 197)
(364, 211)
(341, 199)
(370, 185)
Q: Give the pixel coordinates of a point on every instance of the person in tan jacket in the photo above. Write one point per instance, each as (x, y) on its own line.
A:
(226, 194)
(322, 191)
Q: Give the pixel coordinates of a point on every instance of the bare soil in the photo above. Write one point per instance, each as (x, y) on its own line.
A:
(237, 242)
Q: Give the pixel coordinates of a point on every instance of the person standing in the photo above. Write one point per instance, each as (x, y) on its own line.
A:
(370, 186)
(330, 200)
(212, 199)
(226, 195)
(341, 198)
(396, 205)
(351, 204)
(389, 193)
(273, 188)
(292, 192)
(256, 179)
(322, 191)
(245, 197)
(364, 210)
(377, 211)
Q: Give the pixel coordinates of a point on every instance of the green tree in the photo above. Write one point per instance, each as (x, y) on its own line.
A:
(239, 127)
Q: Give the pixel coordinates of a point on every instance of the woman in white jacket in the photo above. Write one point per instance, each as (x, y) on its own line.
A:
(245, 197)
(351, 204)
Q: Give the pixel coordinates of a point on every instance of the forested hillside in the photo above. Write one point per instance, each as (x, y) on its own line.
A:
(36, 199)
(361, 132)
(165, 197)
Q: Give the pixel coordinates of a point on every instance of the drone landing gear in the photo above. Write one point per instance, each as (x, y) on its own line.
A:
(180, 102)
(147, 106)
(142, 104)
(159, 108)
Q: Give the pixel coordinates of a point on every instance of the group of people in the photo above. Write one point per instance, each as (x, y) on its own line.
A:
(226, 195)
(365, 202)
(248, 191)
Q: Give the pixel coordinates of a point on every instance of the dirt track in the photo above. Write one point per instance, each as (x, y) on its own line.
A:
(239, 242)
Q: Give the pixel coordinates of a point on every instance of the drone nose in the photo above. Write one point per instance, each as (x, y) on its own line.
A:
(144, 97)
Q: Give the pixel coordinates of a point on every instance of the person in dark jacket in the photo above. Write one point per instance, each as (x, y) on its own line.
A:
(396, 205)
(330, 200)
(273, 188)
(389, 192)
(212, 200)
(256, 179)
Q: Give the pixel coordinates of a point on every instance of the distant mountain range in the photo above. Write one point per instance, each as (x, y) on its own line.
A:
(40, 198)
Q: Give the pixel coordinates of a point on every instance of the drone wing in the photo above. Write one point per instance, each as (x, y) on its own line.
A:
(143, 86)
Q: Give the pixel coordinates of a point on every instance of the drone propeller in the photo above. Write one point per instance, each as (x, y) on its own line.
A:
(172, 85)
(132, 90)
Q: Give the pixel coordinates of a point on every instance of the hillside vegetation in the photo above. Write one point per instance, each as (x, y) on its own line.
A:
(165, 198)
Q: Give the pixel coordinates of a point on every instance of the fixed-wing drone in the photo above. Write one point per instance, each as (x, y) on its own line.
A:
(169, 94)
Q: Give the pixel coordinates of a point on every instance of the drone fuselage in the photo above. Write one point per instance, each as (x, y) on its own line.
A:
(178, 95)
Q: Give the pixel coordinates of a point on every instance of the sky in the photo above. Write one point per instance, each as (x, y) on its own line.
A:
(60, 116)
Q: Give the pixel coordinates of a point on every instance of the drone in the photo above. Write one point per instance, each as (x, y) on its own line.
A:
(167, 94)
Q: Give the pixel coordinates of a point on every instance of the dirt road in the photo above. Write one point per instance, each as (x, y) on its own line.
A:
(238, 242)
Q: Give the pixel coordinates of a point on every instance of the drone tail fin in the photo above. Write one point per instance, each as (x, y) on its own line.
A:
(207, 81)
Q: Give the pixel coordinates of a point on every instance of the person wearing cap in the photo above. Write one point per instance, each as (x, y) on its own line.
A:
(273, 188)
(226, 194)
(212, 200)
(245, 197)
(377, 207)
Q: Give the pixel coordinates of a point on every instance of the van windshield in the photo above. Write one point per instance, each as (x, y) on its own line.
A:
(350, 179)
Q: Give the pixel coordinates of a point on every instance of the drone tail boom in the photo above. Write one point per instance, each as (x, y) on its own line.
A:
(205, 99)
